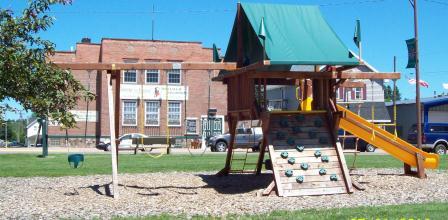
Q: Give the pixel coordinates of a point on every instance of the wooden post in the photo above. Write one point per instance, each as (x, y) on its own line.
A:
(117, 76)
(112, 138)
(264, 144)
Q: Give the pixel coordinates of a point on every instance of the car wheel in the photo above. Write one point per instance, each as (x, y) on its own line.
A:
(370, 148)
(107, 147)
(440, 149)
(221, 146)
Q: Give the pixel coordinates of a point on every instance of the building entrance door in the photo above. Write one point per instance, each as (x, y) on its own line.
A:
(211, 127)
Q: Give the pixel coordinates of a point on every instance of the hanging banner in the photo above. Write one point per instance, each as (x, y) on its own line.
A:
(411, 53)
(153, 92)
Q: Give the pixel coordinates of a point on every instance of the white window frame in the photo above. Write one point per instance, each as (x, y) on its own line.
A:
(168, 114)
(168, 77)
(158, 77)
(124, 79)
(197, 127)
(158, 113)
(122, 113)
(355, 91)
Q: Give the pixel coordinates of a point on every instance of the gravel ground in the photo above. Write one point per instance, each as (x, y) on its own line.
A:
(197, 194)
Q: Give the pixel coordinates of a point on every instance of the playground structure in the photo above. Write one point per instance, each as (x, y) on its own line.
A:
(295, 46)
(306, 158)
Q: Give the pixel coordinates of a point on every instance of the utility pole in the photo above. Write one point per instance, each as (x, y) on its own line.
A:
(417, 76)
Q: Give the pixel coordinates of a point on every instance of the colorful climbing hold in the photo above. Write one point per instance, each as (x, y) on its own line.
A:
(300, 148)
(317, 153)
(291, 141)
(304, 166)
(333, 177)
(288, 173)
(284, 154)
(300, 179)
(325, 159)
(291, 161)
(322, 171)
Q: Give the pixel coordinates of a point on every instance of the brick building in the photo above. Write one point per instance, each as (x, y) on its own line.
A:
(190, 93)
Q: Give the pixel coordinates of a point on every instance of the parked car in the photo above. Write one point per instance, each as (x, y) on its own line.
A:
(434, 137)
(15, 144)
(125, 142)
(245, 138)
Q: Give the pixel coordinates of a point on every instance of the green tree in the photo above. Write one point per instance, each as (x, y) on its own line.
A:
(26, 75)
(389, 94)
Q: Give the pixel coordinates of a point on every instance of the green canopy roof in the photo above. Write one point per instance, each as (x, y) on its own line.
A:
(295, 35)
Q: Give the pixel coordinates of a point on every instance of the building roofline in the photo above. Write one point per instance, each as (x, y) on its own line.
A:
(364, 62)
(94, 44)
(146, 40)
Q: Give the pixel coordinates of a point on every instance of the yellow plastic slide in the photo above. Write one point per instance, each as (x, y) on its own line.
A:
(380, 138)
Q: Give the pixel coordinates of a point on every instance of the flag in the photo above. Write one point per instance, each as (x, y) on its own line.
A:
(216, 57)
(445, 85)
(411, 53)
(357, 35)
(262, 30)
(422, 83)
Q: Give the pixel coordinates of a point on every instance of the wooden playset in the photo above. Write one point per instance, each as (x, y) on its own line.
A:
(294, 46)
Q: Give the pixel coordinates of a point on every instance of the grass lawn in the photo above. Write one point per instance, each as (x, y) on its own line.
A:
(24, 165)
(405, 212)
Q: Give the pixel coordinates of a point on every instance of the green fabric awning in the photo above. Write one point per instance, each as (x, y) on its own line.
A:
(295, 35)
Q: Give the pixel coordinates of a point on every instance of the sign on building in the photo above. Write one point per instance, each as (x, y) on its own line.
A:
(152, 92)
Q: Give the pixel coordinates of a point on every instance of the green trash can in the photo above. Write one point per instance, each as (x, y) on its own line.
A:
(75, 160)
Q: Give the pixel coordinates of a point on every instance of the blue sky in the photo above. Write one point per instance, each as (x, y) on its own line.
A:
(386, 24)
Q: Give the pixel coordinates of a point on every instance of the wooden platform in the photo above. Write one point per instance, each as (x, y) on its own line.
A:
(311, 131)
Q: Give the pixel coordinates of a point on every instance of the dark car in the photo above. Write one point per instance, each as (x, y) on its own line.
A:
(245, 138)
(350, 143)
(434, 137)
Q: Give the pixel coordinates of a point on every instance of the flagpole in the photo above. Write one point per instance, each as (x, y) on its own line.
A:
(417, 78)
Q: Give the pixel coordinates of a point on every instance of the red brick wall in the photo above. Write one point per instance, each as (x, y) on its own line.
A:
(121, 50)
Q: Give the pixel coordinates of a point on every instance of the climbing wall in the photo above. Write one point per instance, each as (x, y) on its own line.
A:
(305, 160)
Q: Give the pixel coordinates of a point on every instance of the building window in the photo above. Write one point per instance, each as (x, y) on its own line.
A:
(130, 113)
(152, 76)
(130, 76)
(174, 76)
(358, 93)
(152, 113)
(338, 93)
(191, 126)
(174, 114)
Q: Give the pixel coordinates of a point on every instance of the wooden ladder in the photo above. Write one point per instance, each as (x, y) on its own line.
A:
(245, 162)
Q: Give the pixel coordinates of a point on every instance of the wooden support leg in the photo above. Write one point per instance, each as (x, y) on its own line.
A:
(265, 124)
(232, 129)
(420, 173)
(271, 188)
(420, 168)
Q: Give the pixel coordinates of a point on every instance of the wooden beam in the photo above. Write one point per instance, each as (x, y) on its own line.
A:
(349, 84)
(142, 66)
(325, 75)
